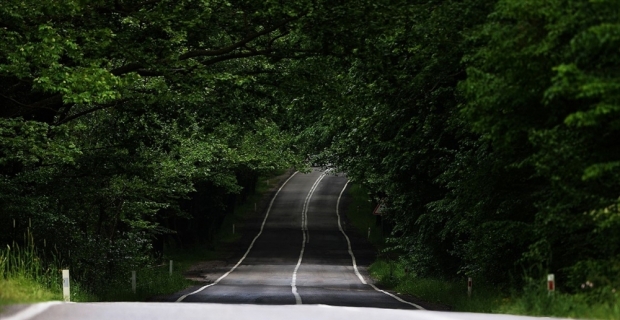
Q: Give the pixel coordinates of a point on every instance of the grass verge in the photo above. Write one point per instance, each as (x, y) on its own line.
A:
(533, 300)
(20, 289)
(150, 282)
(393, 275)
(25, 278)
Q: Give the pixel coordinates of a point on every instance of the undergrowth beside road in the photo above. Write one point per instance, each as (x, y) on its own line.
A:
(24, 278)
(532, 300)
(19, 289)
(359, 213)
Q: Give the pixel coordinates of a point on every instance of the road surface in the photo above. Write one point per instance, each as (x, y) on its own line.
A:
(298, 266)
(301, 255)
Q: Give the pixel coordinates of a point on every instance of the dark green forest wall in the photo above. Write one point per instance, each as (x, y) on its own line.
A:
(490, 127)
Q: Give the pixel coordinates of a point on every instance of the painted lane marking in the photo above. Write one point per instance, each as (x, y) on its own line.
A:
(32, 311)
(249, 248)
(396, 297)
(305, 238)
(357, 273)
(304, 210)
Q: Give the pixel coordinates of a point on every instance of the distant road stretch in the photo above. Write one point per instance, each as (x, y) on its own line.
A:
(299, 262)
(302, 255)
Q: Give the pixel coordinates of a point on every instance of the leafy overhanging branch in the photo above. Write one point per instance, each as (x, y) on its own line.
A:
(54, 102)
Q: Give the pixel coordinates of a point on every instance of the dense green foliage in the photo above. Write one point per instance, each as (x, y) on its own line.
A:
(126, 123)
(490, 127)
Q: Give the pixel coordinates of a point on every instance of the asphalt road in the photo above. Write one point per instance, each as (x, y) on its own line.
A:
(303, 216)
(299, 266)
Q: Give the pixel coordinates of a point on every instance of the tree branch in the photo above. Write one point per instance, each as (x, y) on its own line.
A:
(127, 68)
(237, 56)
(150, 73)
(222, 54)
(282, 35)
(85, 112)
(232, 47)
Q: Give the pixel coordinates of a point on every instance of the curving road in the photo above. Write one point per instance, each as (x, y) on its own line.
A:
(299, 263)
(301, 255)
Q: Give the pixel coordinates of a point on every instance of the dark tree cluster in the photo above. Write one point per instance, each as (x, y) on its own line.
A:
(491, 128)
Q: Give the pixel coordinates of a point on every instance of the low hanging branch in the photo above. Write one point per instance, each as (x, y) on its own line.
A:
(85, 112)
(239, 44)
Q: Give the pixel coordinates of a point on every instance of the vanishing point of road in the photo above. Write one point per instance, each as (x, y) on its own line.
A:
(300, 264)
(301, 254)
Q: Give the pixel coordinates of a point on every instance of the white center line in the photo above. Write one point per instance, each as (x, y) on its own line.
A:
(306, 237)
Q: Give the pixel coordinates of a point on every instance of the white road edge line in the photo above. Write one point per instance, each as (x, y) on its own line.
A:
(32, 311)
(249, 248)
(304, 230)
(357, 273)
(396, 297)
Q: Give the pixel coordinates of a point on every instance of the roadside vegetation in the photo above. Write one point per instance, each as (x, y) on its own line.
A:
(359, 215)
(532, 298)
(26, 276)
(490, 128)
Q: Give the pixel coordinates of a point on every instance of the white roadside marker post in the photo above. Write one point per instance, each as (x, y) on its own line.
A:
(171, 267)
(66, 289)
(551, 283)
(469, 286)
(368, 232)
(133, 282)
